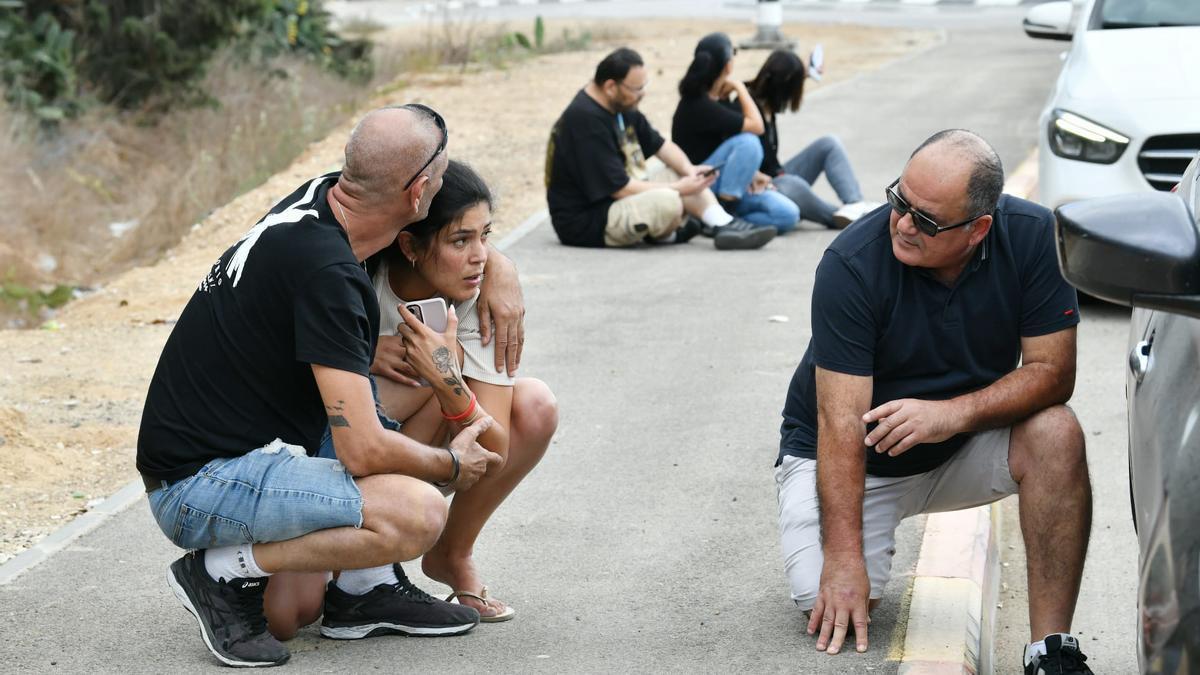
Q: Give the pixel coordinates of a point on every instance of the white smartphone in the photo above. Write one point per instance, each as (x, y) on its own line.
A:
(431, 312)
(816, 63)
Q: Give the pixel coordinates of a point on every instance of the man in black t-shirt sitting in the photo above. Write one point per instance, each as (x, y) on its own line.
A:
(275, 344)
(910, 400)
(596, 181)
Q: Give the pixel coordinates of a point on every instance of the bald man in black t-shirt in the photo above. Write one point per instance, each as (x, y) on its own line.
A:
(275, 345)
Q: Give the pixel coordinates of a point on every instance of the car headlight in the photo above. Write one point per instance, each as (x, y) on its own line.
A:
(1074, 137)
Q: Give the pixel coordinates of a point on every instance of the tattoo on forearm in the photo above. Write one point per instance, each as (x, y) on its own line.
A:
(441, 359)
(445, 365)
(336, 419)
(454, 382)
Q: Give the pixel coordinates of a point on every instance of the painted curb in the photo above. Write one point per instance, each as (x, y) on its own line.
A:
(952, 618)
(63, 536)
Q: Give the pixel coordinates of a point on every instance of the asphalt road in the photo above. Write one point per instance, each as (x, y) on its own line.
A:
(646, 541)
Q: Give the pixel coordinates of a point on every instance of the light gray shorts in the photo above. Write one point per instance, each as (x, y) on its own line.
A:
(977, 474)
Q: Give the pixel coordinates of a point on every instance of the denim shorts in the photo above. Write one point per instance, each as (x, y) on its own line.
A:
(274, 493)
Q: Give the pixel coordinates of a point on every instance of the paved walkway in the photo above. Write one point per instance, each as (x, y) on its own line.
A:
(646, 541)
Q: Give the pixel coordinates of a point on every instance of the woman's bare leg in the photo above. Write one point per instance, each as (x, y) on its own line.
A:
(533, 423)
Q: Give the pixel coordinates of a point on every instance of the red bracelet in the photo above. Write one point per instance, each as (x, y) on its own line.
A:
(464, 414)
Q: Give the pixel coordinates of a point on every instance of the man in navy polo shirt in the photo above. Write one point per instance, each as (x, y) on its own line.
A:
(941, 359)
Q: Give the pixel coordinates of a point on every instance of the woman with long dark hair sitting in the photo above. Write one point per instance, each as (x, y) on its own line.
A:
(716, 130)
(778, 88)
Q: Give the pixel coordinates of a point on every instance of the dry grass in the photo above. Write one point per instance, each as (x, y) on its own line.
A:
(112, 191)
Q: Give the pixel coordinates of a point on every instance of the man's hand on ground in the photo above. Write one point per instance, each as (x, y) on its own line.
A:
(841, 602)
(908, 421)
(389, 361)
(474, 460)
(501, 302)
(694, 184)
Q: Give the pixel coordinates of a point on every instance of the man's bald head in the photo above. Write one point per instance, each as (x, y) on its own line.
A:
(386, 148)
(959, 150)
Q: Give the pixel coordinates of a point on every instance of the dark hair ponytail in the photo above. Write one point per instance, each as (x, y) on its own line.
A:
(712, 53)
(699, 77)
(779, 85)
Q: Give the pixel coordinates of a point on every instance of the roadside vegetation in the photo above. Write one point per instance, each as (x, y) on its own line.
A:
(126, 123)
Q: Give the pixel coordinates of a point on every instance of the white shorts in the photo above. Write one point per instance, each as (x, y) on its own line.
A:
(977, 474)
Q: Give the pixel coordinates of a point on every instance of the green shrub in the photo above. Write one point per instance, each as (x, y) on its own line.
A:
(37, 63)
(56, 54)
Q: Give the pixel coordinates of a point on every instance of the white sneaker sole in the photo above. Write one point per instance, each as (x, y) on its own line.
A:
(187, 604)
(383, 628)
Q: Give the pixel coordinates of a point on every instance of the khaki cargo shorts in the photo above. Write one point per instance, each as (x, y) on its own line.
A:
(977, 474)
(653, 213)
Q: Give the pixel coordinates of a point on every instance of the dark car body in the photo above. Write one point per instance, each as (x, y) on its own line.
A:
(1143, 251)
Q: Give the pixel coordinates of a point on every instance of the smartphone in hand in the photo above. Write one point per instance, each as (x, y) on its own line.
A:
(712, 169)
(431, 312)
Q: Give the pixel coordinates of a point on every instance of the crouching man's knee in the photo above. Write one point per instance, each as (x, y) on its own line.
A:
(1049, 441)
(408, 514)
(805, 583)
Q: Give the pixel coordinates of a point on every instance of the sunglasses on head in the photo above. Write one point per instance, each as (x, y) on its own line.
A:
(928, 226)
(441, 125)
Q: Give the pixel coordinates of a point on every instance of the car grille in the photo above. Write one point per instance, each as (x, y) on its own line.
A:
(1164, 158)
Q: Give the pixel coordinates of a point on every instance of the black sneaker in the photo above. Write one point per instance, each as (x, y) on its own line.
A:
(230, 613)
(392, 609)
(740, 234)
(688, 230)
(1062, 657)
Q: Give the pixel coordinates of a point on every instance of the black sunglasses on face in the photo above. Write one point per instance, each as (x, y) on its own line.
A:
(928, 226)
(441, 125)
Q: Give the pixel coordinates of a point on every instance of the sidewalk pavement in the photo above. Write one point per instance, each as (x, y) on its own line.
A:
(646, 541)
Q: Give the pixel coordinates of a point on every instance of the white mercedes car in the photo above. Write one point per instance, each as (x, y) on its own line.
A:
(1124, 115)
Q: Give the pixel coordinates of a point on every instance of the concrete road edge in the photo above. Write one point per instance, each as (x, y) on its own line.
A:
(951, 621)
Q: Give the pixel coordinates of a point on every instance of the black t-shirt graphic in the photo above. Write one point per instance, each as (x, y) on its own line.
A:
(236, 372)
(701, 125)
(593, 153)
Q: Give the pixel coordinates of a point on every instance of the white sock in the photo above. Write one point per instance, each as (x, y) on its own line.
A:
(232, 562)
(716, 216)
(1036, 649)
(358, 582)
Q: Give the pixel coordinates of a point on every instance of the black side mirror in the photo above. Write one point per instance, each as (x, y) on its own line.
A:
(1135, 250)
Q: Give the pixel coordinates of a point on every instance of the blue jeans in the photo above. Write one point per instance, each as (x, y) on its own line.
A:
(742, 155)
(273, 493)
(824, 155)
(326, 449)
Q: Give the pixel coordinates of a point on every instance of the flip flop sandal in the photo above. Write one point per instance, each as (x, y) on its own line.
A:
(506, 615)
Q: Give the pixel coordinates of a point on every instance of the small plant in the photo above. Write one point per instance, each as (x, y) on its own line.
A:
(539, 37)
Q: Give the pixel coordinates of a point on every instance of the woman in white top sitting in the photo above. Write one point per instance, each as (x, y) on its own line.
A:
(441, 256)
